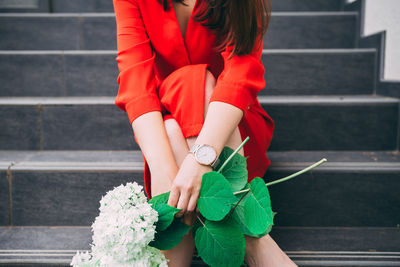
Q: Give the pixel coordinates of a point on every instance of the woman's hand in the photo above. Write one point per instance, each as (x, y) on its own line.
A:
(185, 187)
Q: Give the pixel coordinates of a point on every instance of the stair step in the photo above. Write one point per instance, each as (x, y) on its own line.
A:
(65, 72)
(288, 72)
(24, 6)
(97, 31)
(328, 122)
(60, 6)
(307, 246)
(319, 71)
(311, 30)
(353, 188)
(307, 5)
(301, 123)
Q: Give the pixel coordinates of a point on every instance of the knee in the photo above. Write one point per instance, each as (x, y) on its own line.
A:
(172, 128)
(209, 85)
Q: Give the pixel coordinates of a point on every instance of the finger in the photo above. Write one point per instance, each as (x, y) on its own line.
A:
(197, 210)
(183, 202)
(193, 202)
(173, 198)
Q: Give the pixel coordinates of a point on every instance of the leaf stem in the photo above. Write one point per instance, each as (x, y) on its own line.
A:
(239, 201)
(200, 220)
(290, 176)
(233, 154)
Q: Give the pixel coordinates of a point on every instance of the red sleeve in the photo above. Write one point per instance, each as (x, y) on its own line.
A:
(137, 90)
(241, 79)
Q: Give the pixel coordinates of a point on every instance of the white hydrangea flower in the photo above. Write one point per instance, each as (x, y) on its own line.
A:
(82, 259)
(122, 232)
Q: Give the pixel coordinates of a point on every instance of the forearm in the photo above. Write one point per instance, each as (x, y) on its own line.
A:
(153, 141)
(220, 122)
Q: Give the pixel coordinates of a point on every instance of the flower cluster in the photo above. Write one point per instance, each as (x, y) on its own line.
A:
(122, 232)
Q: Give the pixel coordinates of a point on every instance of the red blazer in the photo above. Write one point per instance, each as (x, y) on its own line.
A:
(150, 46)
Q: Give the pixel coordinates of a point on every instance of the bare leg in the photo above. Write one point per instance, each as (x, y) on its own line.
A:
(265, 252)
(182, 254)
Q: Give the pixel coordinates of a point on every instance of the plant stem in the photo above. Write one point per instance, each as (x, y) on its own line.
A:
(200, 220)
(290, 176)
(239, 201)
(233, 154)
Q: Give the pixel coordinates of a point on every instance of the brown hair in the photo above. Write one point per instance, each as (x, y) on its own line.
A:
(240, 23)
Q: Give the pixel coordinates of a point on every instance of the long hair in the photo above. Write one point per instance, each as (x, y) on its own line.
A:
(241, 23)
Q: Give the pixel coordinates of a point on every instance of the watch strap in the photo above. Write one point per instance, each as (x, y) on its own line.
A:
(215, 163)
(194, 148)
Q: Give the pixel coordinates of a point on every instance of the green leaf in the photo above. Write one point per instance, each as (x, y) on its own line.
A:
(166, 215)
(162, 198)
(238, 212)
(216, 197)
(235, 170)
(171, 236)
(246, 230)
(254, 213)
(220, 243)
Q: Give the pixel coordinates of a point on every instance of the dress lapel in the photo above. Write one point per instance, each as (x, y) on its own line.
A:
(180, 41)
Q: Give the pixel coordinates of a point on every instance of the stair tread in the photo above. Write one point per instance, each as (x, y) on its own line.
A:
(103, 6)
(58, 244)
(273, 99)
(111, 14)
(115, 159)
(265, 51)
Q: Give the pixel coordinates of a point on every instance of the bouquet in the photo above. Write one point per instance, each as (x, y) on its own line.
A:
(130, 231)
(122, 232)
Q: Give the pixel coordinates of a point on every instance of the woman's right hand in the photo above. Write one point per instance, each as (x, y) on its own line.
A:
(161, 182)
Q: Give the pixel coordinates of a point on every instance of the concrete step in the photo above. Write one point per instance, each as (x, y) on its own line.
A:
(24, 6)
(319, 71)
(55, 246)
(307, 5)
(94, 73)
(97, 31)
(56, 6)
(361, 122)
(61, 6)
(107, 6)
(311, 30)
(351, 189)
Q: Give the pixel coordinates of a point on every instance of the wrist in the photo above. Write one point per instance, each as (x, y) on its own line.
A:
(191, 157)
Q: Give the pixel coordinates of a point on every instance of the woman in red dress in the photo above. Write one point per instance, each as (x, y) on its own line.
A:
(180, 89)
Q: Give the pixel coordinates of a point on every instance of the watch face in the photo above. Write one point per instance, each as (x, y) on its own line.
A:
(205, 155)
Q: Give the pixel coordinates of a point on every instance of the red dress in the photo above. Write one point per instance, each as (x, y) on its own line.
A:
(159, 70)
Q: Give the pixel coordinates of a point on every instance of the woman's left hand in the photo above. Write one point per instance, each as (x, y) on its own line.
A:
(185, 187)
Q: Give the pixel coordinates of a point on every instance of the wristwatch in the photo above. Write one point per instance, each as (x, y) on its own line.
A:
(205, 154)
